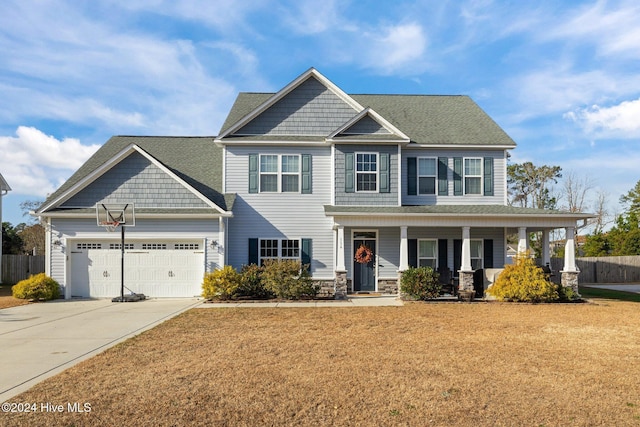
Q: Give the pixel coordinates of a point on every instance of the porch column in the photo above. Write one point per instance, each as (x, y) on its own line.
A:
(340, 287)
(340, 266)
(546, 257)
(404, 249)
(570, 271)
(522, 240)
(466, 272)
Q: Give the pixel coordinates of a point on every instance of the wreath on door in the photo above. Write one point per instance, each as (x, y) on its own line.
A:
(364, 255)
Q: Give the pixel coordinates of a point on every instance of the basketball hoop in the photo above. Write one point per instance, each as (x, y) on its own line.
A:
(110, 226)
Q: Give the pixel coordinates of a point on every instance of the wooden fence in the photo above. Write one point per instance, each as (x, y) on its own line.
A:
(612, 269)
(20, 267)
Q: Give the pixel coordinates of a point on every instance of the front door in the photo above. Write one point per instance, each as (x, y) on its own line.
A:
(364, 274)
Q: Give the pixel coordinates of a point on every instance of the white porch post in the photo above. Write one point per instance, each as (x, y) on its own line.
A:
(340, 265)
(570, 251)
(466, 249)
(522, 240)
(546, 257)
(404, 249)
(221, 242)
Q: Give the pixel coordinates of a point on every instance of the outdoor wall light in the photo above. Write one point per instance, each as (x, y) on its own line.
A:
(214, 244)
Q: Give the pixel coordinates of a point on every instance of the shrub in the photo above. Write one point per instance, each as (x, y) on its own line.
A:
(421, 283)
(251, 283)
(288, 279)
(567, 294)
(525, 282)
(38, 287)
(221, 284)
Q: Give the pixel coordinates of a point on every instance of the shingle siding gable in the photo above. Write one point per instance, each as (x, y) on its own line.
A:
(309, 109)
(135, 179)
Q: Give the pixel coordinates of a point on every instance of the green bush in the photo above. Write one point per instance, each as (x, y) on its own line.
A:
(251, 283)
(420, 283)
(221, 284)
(288, 279)
(38, 287)
(525, 282)
(567, 294)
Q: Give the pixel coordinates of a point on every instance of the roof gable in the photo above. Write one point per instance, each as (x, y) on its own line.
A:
(368, 126)
(309, 105)
(200, 173)
(4, 187)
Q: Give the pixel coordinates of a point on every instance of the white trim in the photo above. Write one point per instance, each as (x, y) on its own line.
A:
(464, 176)
(435, 176)
(84, 182)
(461, 147)
(311, 72)
(280, 174)
(436, 250)
(224, 169)
(333, 175)
(399, 174)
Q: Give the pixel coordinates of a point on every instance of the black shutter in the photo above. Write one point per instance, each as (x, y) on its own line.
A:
(306, 174)
(253, 251)
(253, 173)
(442, 254)
(349, 175)
(412, 176)
(385, 173)
(488, 176)
(487, 247)
(412, 252)
(306, 252)
(457, 256)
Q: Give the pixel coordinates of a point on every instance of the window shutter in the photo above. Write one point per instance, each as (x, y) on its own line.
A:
(457, 256)
(443, 185)
(487, 246)
(306, 252)
(457, 176)
(306, 174)
(412, 176)
(253, 251)
(442, 253)
(412, 252)
(253, 173)
(385, 174)
(349, 178)
(488, 176)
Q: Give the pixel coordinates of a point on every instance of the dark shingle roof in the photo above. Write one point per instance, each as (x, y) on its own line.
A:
(196, 160)
(426, 119)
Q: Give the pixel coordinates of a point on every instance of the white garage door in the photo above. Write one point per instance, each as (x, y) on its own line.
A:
(156, 269)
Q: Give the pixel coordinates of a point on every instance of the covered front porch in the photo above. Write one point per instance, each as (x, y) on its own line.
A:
(458, 240)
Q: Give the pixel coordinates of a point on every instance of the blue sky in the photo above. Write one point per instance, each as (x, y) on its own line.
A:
(562, 78)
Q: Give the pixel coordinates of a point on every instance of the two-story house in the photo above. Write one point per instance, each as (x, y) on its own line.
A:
(310, 173)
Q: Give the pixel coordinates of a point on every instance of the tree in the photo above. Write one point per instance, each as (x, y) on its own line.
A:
(632, 199)
(529, 185)
(11, 240)
(33, 239)
(28, 206)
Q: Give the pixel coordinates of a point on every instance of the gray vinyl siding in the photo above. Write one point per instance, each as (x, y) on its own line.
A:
(135, 179)
(309, 109)
(70, 230)
(280, 215)
(499, 178)
(365, 198)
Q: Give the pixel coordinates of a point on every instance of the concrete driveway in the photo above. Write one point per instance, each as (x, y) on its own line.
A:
(38, 341)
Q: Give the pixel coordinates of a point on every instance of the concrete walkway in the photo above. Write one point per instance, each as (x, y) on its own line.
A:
(38, 341)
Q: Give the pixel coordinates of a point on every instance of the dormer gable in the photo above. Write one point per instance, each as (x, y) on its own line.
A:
(368, 126)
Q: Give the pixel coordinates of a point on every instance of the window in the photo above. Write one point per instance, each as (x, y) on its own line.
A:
(476, 254)
(473, 176)
(279, 249)
(427, 173)
(88, 246)
(154, 246)
(186, 246)
(279, 173)
(127, 246)
(428, 253)
(366, 172)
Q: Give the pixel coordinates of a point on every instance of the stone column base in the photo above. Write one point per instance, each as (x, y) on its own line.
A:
(340, 285)
(466, 280)
(400, 294)
(570, 279)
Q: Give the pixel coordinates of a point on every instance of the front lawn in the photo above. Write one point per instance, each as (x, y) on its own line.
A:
(440, 364)
(7, 300)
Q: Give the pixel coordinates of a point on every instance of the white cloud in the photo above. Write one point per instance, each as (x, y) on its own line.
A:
(313, 17)
(395, 48)
(620, 120)
(35, 164)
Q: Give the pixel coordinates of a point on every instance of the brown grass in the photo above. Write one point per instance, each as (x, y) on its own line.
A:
(7, 300)
(420, 365)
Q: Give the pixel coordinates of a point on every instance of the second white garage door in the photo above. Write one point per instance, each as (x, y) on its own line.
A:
(156, 269)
